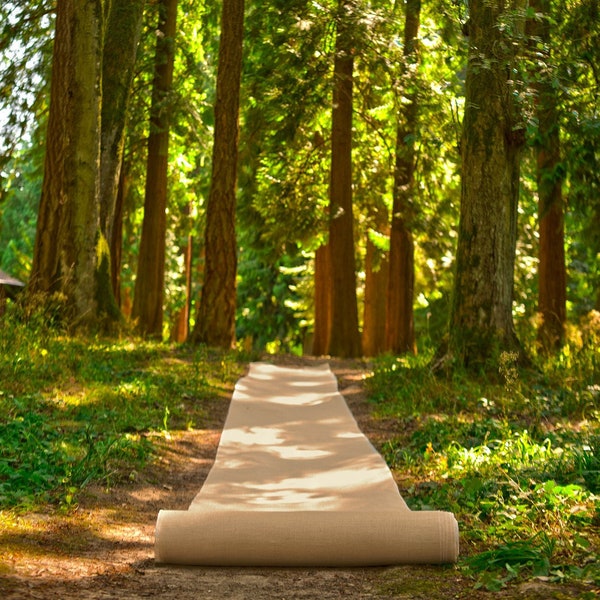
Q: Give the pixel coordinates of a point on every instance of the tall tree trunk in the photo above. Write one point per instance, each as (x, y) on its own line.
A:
(116, 240)
(121, 40)
(68, 246)
(322, 301)
(400, 333)
(552, 296)
(377, 270)
(181, 321)
(150, 279)
(481, 323)
(189, 261)
(344, 339)
(215, 323)
(51, 223)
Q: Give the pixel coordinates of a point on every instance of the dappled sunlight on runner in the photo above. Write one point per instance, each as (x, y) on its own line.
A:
(295, 482)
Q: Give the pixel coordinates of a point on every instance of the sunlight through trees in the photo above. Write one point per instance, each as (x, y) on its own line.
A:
(486, 227)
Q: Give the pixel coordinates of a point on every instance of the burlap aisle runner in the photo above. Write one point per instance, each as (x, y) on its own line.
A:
(296, 483)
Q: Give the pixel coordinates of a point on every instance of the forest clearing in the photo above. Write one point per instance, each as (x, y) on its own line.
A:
(100, 435)
(409, 190)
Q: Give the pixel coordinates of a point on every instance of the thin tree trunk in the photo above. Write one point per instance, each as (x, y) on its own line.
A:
(180, 329)
(116, 240)
(344, 339)
(215, 323)
(481, 323)
(120, 50)
(322, 301)
(189, 263)
(552, 295)
(377, 270)
(400, 334)
(149, 283)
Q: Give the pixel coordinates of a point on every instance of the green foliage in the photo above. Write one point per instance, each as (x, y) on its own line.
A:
(284, 149)
(514, 456)
(533, 555)
(76, 412)
(25, 51)
(18, 210)
(285, 118)
(272, 310)
(42, 462)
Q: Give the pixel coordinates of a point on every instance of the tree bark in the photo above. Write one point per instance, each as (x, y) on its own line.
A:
(400, 333)
(215, 323)
(481, 323)
(51, 224)
(552, 278)
(116, 240)
(120, 50)
(68, 248)
(322, 301)
(344, 339)
(149, 283)
(377, 270)
(181, 322)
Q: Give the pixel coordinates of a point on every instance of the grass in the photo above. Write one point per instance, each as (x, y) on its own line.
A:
(514, 454)
(75, 411)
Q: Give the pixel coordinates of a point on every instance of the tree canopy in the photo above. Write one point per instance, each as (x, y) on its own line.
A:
(414, 141)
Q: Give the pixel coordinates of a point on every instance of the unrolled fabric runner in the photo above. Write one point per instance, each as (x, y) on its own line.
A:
(296, 483)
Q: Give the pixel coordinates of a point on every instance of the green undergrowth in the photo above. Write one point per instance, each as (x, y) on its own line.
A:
(514, 454)
(78, 411)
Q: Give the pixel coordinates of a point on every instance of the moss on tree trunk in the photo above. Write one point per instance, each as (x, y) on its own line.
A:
(65, 254)
(481, 324)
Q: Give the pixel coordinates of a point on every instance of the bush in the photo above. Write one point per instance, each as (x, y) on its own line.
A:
(517, 462)
(78, 411)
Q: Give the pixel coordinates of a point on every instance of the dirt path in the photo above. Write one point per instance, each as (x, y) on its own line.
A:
(105, 548)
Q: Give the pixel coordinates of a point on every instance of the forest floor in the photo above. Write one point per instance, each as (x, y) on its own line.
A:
(104, 549)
